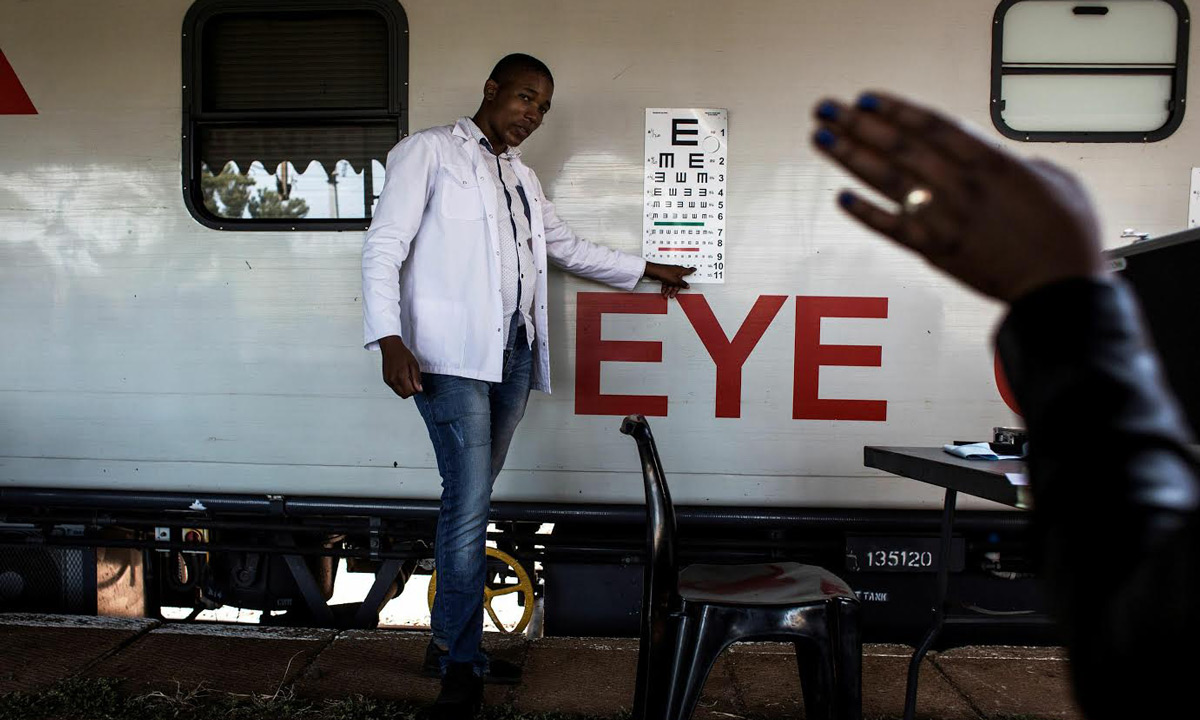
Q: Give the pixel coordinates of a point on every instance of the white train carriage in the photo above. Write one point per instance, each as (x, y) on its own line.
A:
(183, 189)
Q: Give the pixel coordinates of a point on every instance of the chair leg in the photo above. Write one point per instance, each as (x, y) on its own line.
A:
(847, 641)
(658, 666)
(698, 652)
(814, 657)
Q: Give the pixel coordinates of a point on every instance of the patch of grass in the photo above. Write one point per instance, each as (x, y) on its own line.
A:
(101, 699)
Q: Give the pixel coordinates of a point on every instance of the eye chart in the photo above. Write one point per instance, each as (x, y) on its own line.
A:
(684, 221)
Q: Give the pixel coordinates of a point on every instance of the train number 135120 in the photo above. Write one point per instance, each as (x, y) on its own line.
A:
(899, 559)
(873, 553)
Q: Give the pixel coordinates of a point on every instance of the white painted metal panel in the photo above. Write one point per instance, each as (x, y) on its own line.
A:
(1194, 200)
(144, 351)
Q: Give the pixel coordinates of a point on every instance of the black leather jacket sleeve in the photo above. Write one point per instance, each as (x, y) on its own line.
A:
(1115, 493)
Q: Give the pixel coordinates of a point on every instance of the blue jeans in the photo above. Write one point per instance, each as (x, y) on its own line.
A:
(471, 423)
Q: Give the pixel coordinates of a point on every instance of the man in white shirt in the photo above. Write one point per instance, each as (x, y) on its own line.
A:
(454, 295)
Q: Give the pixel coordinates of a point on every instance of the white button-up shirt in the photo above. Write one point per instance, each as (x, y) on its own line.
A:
(516, 238)
(431, 258)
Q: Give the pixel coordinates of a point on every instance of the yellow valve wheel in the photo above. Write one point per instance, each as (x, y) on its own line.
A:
(524, 586)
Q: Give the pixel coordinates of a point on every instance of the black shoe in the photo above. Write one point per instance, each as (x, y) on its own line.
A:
(500, 672)
(461, 695)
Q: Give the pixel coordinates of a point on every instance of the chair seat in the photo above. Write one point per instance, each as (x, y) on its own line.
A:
(782, 583)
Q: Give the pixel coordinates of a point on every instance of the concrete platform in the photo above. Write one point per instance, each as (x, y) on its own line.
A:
(592, 677)
(386, 664)
(1004, 681)
(39, 650)
(222, 658)
(769, 683)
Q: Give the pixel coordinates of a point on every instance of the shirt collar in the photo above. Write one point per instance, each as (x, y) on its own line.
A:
(468, 124)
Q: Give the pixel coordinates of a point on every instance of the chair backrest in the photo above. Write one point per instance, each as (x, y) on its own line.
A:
(660, 590)
(660, 514)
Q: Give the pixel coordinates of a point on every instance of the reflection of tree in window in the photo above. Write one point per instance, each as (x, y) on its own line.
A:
(229, 195)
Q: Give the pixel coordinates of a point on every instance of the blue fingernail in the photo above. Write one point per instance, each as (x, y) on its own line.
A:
(867, 101)
(825, 138)
(827, 111)
(845, 198)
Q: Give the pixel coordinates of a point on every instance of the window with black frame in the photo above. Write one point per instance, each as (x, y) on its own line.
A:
(289, 112)
(1079, 71)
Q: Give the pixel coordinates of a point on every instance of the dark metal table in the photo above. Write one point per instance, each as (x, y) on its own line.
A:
(988, 479)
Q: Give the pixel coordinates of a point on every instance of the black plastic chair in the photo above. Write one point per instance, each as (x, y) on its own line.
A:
(690, 617)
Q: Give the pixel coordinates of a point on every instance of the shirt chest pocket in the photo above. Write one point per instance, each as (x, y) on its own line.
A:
(460, 195)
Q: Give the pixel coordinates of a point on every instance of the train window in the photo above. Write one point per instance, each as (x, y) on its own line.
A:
(289, 110)
(1079, 71)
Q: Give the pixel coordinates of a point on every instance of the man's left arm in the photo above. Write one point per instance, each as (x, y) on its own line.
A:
(612, 267)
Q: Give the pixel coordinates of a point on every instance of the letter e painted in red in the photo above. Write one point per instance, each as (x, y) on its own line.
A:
(811, 355)
(591, 350)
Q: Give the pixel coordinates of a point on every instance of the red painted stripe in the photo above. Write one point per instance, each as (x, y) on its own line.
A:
(13, 98)
(671, 249)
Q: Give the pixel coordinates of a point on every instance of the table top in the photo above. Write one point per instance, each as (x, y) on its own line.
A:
(988, 479)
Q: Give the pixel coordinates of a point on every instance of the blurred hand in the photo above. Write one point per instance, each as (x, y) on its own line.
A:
(999, 223)
(401, 371)
(671, 277)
